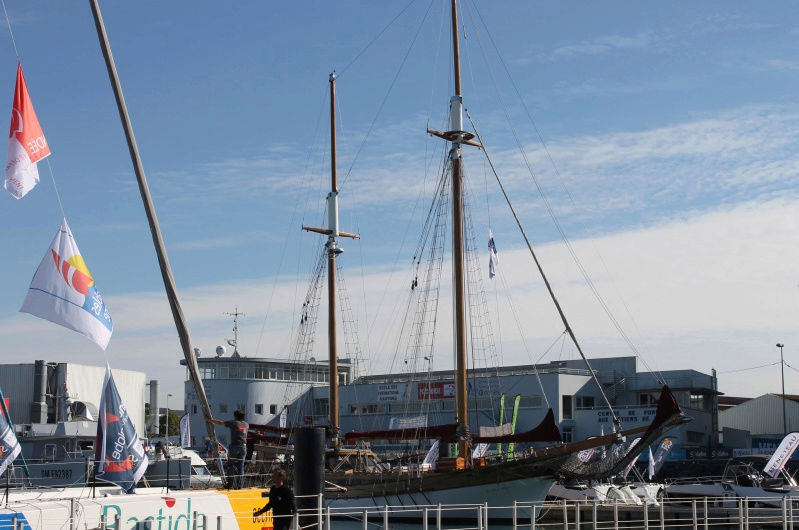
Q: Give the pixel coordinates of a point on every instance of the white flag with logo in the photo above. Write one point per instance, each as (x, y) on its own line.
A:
(432, 455)
(26, 143)
(185, 431)
(782, 454)
(63, 291)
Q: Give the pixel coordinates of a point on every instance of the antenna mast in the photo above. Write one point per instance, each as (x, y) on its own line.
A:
(235, 342)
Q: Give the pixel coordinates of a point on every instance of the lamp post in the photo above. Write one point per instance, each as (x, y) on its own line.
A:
(782, 368)
(166, 433)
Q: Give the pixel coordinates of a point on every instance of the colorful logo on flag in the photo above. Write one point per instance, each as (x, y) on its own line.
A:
(63, 291)
(26, 143)
(185, 431)
(119, 455)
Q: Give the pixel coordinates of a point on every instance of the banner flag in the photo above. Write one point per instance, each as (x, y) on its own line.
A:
(651, 465)
(119, 455)
(26, 143)
(493, 260)
(9, 445)
(501, 420)
(63, 291)
(516, 403)
(661, 453)
(432, 455)
(185, 432)
(782, 454)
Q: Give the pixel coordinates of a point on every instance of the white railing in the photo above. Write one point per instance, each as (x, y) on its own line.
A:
(686, 513)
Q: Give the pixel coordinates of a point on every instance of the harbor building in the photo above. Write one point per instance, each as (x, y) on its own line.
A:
(261, 387)
(758, 425)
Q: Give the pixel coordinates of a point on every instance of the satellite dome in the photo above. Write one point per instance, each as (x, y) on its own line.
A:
(197, 352)
(220, 351)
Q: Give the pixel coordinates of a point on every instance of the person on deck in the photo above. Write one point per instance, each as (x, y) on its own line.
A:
(281, 502)
(238, 448)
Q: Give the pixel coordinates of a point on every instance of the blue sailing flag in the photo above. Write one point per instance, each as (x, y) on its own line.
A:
(119, 456)
(9, 445)
(493, 260)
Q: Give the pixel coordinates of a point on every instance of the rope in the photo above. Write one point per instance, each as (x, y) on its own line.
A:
(551, 212)
(13, 40)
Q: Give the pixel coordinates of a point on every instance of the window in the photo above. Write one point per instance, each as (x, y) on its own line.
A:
(49, 452)
(695, 437)
(566, 411)
(223, 408)
(533, 402)
(585, 402)
(194, 409)
(259, 408)
(273, 409)
(697, 401)
(647, 400)
(567, 434)
(193, 441)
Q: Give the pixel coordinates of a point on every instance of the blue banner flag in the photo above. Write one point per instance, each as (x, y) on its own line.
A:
(9, 445)
(119, 455)
(493, 259)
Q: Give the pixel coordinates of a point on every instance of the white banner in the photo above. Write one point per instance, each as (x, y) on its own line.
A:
(634, 460)
(782, 454)
(185, 432)
(432, 454)
(500, 430)
(412, 422)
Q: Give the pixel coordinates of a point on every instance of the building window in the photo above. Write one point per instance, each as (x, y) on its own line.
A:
(223, 408)
(194, 409)
(567, 433)
(647, 400)
(259, 408)
(697, 401)
(695, 437)
(585, 402)
(567, 407)
(193, 442)
(273, 409)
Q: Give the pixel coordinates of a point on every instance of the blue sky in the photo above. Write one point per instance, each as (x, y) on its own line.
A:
(673, 129)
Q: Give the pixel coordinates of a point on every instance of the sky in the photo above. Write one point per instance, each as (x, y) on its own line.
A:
(663, 136)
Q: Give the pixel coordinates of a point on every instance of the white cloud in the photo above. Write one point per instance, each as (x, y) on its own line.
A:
(710, 290)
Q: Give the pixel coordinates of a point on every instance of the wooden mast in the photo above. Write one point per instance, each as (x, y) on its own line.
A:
(459, 309)
(332, 251)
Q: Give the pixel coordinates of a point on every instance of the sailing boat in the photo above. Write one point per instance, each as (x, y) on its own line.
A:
(529, 476)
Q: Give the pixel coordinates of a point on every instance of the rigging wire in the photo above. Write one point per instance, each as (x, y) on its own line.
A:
(754, 368)
(543, 276)
(13, 40)
(385, 98)
(376, 37)
(551, 212)
(288, 238)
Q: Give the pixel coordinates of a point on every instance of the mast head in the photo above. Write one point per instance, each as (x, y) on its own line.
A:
(333, 76)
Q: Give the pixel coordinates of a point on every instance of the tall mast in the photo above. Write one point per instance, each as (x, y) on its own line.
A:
(333, 250)
(457, 137)
(459, 305)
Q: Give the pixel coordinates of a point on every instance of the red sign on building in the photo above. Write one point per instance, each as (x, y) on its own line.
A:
(437, 390)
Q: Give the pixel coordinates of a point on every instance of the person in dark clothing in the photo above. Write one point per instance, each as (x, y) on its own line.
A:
(237, 450)
(281, 502)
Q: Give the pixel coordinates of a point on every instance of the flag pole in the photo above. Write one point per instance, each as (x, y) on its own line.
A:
(149, 208)
(11, 426)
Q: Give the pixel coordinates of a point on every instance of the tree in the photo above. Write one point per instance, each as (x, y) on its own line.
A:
(174, 424)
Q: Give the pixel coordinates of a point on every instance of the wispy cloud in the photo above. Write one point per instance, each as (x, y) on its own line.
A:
(782, 64)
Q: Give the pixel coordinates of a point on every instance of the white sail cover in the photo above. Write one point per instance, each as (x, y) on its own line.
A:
(26, 143)
(63, 291)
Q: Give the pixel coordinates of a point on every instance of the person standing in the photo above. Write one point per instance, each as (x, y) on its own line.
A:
(237, 450)
(281, 502)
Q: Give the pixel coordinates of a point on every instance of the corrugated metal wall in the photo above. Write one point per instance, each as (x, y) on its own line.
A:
(16, 380)
(85, 383)
(762, 415)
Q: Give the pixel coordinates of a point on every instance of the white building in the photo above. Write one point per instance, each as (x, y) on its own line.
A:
(45, 392)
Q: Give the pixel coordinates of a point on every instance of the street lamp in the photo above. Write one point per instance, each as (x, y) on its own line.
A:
(782, 367)
(167, 416)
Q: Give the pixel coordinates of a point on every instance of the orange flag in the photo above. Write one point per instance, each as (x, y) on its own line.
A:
(26, 143)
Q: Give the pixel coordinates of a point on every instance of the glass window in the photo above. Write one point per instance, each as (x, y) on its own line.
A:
(567, 433)
(566, 410)
(223, 372)
(273, 409)
(259, 408)
(250, 372)
(585, 402)
(194, 409)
